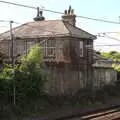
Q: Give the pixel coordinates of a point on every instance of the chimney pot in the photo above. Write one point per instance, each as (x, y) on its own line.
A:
(72, 12)
(41, 12)
(69, 10)
(70, 7)
(65, 12)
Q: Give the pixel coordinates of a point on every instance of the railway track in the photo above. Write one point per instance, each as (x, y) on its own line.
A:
(105, 112)
(112, 113)
(105, 115)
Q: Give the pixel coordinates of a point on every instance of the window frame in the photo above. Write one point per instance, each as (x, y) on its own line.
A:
(49, 48)
(81, 48)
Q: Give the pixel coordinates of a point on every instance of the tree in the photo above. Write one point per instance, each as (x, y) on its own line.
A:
(6, 83)
(33, 60)
(115, 56)
(29, 76)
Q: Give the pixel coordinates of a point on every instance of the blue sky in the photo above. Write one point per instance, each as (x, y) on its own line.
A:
(102, 9)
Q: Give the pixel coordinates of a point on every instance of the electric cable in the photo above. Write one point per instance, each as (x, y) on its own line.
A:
(95, 19)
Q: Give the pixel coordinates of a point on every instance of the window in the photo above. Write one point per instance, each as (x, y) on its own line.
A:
(49, 48)
(81, 48)
(20, 47)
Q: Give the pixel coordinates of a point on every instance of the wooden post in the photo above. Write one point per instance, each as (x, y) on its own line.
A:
(13, 62)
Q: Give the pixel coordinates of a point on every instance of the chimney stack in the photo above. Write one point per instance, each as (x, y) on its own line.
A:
(39, 16)
(69, 16)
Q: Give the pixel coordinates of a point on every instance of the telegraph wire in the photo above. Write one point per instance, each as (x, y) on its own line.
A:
(104, 35)
(27, 25)
(26, 6)
(84, 17)
(108, 32)
(101, 34)
(98, 34)
(8, 21)
(4, 26)
(33, 27)
(17, 4)
(4, 21)
(99, 20)
(108, 45)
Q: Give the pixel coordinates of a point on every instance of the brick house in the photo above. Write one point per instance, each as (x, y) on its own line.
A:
(68, 50)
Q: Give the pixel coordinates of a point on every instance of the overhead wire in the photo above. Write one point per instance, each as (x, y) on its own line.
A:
(4, 26)
(105, 35)
(4, 21)
(100, 20)
(17, 4)
(108, 32)
(108, 45)
(95, 19)
(33, 27)
(21, 5)
(54, 33)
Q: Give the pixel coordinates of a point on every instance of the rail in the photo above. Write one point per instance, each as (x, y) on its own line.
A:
(110, 113)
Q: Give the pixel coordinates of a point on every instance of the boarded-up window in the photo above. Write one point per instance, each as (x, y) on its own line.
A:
(49, 48)
(81, 48)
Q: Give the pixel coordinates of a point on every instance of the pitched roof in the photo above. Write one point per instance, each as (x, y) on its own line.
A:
(47, 28)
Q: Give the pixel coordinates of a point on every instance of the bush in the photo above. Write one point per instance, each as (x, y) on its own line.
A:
(28, 77)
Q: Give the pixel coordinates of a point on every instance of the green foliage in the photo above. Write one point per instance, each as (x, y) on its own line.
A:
(29, 78)
(29, 86)
(34, 60)
(115, 56)
(6, 83)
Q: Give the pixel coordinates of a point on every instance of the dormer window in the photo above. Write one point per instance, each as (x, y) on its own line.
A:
(81, 48)
(49, 48)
